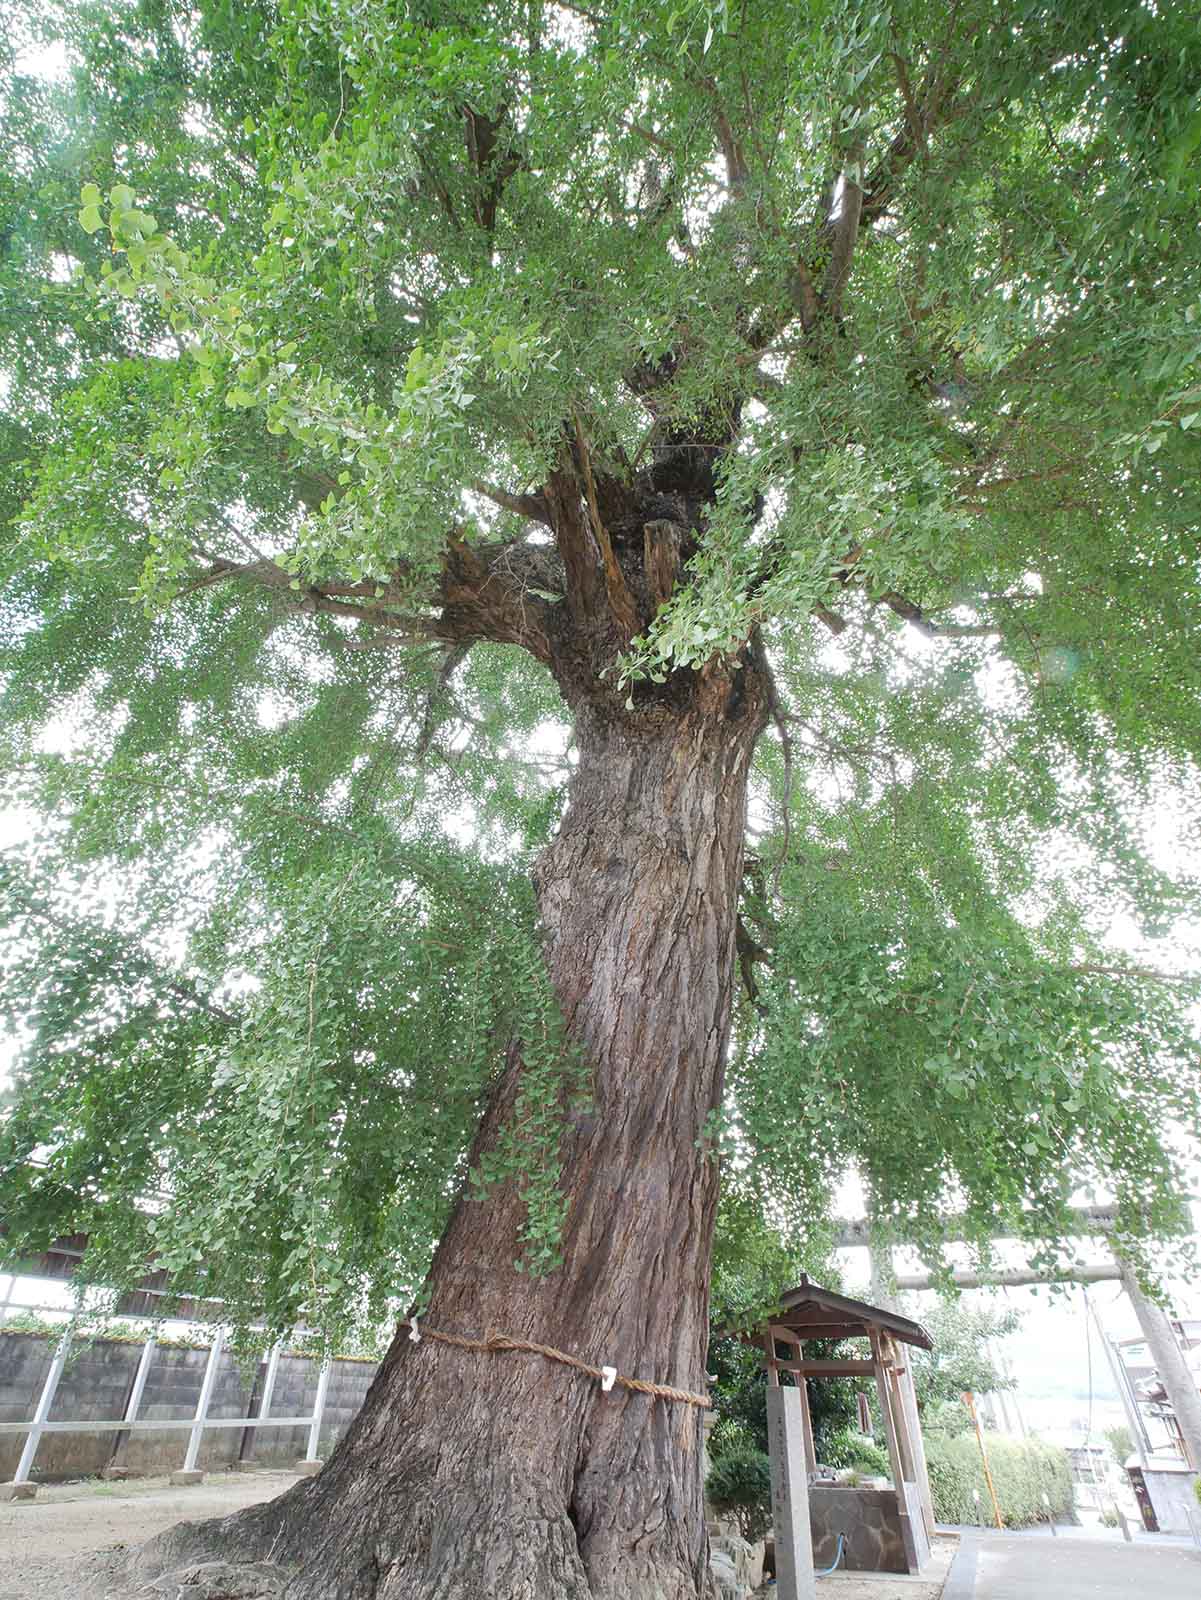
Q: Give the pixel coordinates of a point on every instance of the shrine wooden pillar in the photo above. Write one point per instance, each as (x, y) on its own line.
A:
(900, 1450)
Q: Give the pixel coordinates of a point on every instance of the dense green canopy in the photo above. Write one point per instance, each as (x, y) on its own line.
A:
(299, 303)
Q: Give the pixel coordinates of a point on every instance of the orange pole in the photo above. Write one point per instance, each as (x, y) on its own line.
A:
(969, 1401)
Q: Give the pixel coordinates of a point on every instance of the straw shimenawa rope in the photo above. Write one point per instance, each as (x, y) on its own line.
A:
(502, 1341)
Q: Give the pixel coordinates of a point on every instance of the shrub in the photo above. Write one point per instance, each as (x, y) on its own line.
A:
(947, 1418)
(30, 1322)
(849, 1448)
(1022, 1473)
(740, 1395)
(728, 1436)
(739, 1488)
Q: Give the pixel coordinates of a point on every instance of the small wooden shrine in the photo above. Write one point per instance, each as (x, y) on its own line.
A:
(884, 1529)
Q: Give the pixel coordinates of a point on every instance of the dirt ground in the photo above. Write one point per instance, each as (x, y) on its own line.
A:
(69, 1543)
(885, 1586)
(65, 1544)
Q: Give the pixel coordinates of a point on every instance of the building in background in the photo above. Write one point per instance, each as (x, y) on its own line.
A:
(1159, 1471)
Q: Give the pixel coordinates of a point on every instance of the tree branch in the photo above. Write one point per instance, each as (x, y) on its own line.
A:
(621, 601)
(310, 597)
(749, 951)
(786, 797)
(932, 110)
(846, 231)
(912, 116)
(737, 171)
(830, 619)
(914, 614)
(454, 658)
(993, 485)
(489, 592)
(805, 296)
(493, 170)
(1149, 973)
(661, 559)
(533, 506)
(484, 592)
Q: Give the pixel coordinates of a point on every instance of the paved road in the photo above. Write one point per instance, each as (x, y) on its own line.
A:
(997, 1567)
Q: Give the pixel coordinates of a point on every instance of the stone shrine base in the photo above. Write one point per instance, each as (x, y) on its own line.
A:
(868, 1519)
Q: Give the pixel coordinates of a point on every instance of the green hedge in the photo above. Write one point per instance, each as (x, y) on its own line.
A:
(739, 1487)
(849, 1448)
(1021, 1473)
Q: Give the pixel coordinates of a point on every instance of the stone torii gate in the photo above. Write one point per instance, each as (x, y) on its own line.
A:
(1098, 1221)
(887, 1529)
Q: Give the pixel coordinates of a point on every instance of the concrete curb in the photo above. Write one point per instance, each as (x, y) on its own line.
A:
(961, 1579)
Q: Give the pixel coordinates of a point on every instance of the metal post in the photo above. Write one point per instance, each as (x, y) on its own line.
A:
(8, 1294)
(250, 1437)
(42, 1413)
(1013, 1395)
(139, 1380)
(269, 1382)
(1138, 1427)
(207, 1385)
(134, 1403)
(318, 1412)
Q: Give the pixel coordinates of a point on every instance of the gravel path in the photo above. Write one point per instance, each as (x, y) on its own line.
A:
(69, 1543)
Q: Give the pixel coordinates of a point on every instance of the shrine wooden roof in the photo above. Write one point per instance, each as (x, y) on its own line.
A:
(810, 1312)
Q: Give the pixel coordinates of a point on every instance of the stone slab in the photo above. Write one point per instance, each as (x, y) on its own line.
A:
(790, 1496)
(18, 1491)
(186, 1480)
(308, 1469)
(870, 1521)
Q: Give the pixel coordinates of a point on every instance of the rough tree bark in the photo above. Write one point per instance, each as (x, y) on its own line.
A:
(488, 1476)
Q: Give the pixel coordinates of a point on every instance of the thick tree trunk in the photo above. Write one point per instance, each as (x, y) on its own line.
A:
(504, 1475)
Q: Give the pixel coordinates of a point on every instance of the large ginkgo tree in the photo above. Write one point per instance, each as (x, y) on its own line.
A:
(590, 592)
